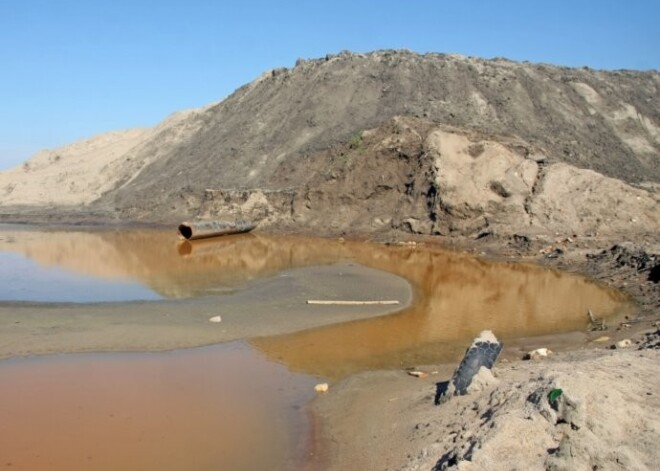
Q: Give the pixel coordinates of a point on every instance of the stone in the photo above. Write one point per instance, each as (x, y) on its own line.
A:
(215, 319)
(537, 354)
(321, 388)
(625, 343)
(483, 353)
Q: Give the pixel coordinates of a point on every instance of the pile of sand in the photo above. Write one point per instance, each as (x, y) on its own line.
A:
(605, 418)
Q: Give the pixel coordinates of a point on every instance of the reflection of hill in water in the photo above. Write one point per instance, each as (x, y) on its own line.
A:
(173, 268)
(457, 295)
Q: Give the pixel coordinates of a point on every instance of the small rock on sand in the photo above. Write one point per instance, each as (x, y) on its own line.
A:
(216, 319)
(321, 388)
(625, 343)
(537, 354)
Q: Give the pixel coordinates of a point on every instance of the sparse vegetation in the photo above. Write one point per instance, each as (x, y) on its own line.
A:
(356, 141)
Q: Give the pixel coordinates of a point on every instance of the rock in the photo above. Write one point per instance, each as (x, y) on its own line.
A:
(483, 353)
(555, 253)
(537, 354)
(651, 340)
(625, 343)
(321, 388)
(216, 319)
(603, 338)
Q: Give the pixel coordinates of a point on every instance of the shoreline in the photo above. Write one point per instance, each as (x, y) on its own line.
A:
(402, 398)
(573, 347)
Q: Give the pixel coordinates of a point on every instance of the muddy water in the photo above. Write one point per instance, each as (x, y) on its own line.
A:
(233, 406)
(222, 407)
(457, 297)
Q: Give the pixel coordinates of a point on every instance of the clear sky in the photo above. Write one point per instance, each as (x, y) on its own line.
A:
(70, 69)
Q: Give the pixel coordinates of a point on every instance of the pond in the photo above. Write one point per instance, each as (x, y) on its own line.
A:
(239, 404)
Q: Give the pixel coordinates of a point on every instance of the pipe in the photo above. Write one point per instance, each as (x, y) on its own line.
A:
(201, 230)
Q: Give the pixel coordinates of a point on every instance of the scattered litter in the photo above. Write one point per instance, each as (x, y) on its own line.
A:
(603, 338)
(418, 374)
(625, 343)
(216, 319)
(555, 253)
(537, 354)
(554, 395)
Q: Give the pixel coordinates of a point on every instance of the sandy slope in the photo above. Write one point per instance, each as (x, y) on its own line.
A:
(80, 173)
(613, 424)
(70, 175)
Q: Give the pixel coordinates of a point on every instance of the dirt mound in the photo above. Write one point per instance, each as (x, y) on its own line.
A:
(80, 173)
(70, 175)
(413, 176)
(353, 142)
(606, 121)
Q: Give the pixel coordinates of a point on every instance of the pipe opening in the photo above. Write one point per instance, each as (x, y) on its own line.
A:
(185, 231)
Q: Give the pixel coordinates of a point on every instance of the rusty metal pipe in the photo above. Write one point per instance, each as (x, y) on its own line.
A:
(202, 230)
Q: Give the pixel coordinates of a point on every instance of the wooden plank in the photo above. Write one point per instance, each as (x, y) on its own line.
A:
(350, 303)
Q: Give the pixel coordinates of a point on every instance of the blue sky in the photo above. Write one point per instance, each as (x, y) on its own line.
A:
(70, 69)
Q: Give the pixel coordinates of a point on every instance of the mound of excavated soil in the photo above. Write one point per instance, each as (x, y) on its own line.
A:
(294, 147)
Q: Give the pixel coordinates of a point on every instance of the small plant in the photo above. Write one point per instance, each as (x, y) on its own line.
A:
(356, 141)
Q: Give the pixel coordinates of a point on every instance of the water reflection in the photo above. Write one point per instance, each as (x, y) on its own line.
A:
(456, 295)
(159, 260)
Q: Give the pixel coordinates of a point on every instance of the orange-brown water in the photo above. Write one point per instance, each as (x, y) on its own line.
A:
(211, 408)
(457, 296)
(228, 407)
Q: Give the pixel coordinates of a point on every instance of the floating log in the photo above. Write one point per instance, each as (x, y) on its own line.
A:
(350, 303)
(202, 230)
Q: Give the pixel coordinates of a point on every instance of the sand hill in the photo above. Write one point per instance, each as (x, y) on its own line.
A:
(432, 144)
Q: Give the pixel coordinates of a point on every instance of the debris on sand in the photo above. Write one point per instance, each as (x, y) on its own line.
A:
(321, 388)
(625, 343)
(418, 374)
(538, 354)
(596, 412)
